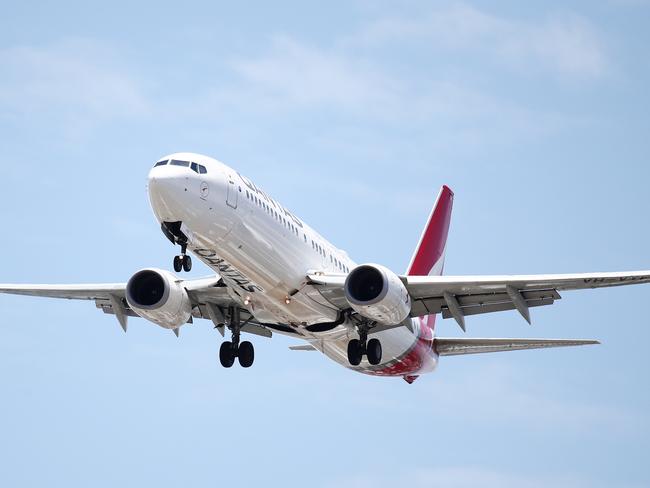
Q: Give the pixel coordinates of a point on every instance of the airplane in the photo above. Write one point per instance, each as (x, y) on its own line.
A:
(275, 274)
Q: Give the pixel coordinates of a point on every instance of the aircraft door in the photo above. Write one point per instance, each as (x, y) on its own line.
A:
(232, 194)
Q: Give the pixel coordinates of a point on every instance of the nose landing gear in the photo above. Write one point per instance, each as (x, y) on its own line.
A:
(173, 232)
(357, 348)
(183, 262)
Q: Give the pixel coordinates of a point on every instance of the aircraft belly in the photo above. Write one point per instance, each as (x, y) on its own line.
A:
(250, 262)
(403, 353)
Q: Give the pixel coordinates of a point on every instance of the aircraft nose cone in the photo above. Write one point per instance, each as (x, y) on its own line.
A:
(168, 193)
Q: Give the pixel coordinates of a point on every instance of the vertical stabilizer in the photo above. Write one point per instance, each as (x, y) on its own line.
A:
(429, 256)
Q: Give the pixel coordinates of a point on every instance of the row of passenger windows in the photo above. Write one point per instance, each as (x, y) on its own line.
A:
(272, 212)
(321, 250)
(197, 168)
(294, 229)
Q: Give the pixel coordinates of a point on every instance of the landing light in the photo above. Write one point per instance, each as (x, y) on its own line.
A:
(287, 300)
(247, 301)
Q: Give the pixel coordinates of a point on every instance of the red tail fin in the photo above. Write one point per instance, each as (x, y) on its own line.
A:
(429, 256)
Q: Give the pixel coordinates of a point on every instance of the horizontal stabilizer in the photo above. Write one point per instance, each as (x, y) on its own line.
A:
(458, 346)
(306, 347)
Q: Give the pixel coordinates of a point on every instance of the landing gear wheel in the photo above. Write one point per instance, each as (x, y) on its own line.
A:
(246, 354)
(355, 352)
(373, 351)
(178, 264)
(187, 263)
(227, 354)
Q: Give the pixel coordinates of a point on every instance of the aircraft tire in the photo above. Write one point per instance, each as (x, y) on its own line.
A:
(178, 264)
(373, 351)
(246, 354)
(187, 263)
(226, 354)
(354, 352)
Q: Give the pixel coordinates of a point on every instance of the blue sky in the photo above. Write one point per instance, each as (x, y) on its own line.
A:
(352, 114)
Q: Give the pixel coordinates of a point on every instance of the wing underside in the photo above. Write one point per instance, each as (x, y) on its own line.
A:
(210, 300)
(459, 296)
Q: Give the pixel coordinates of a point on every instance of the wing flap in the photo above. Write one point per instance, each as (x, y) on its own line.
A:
(482, 303)
(461, 346)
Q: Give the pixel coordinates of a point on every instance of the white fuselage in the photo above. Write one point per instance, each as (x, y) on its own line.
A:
(263, 253)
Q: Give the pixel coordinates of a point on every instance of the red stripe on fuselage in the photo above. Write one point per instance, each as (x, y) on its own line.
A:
(421, 353)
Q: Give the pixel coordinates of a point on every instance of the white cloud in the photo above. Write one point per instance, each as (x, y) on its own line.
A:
(80, 83)
(301, 75)
(565, 45)
(295, 77)
(77, 81)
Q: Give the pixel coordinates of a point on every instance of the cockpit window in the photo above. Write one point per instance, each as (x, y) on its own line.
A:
(195, 167)
(161, 163)
(176, 162)
(202, 169)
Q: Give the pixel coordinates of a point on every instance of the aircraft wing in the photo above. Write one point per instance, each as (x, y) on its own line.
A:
(94, 291)
(209, 300)
(459, 296)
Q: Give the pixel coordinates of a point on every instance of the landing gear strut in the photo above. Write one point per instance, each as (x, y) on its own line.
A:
(232, 349)
(173, 232)
(183, 262)
(357, 348)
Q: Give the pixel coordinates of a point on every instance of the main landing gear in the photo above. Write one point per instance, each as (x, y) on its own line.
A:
(244, 352)
(357, 348)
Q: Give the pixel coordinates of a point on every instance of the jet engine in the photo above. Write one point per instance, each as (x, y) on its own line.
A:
(157, 296)
(378, 294)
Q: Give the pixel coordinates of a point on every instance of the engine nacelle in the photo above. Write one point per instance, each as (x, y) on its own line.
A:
(378, 294)
(157, 296)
